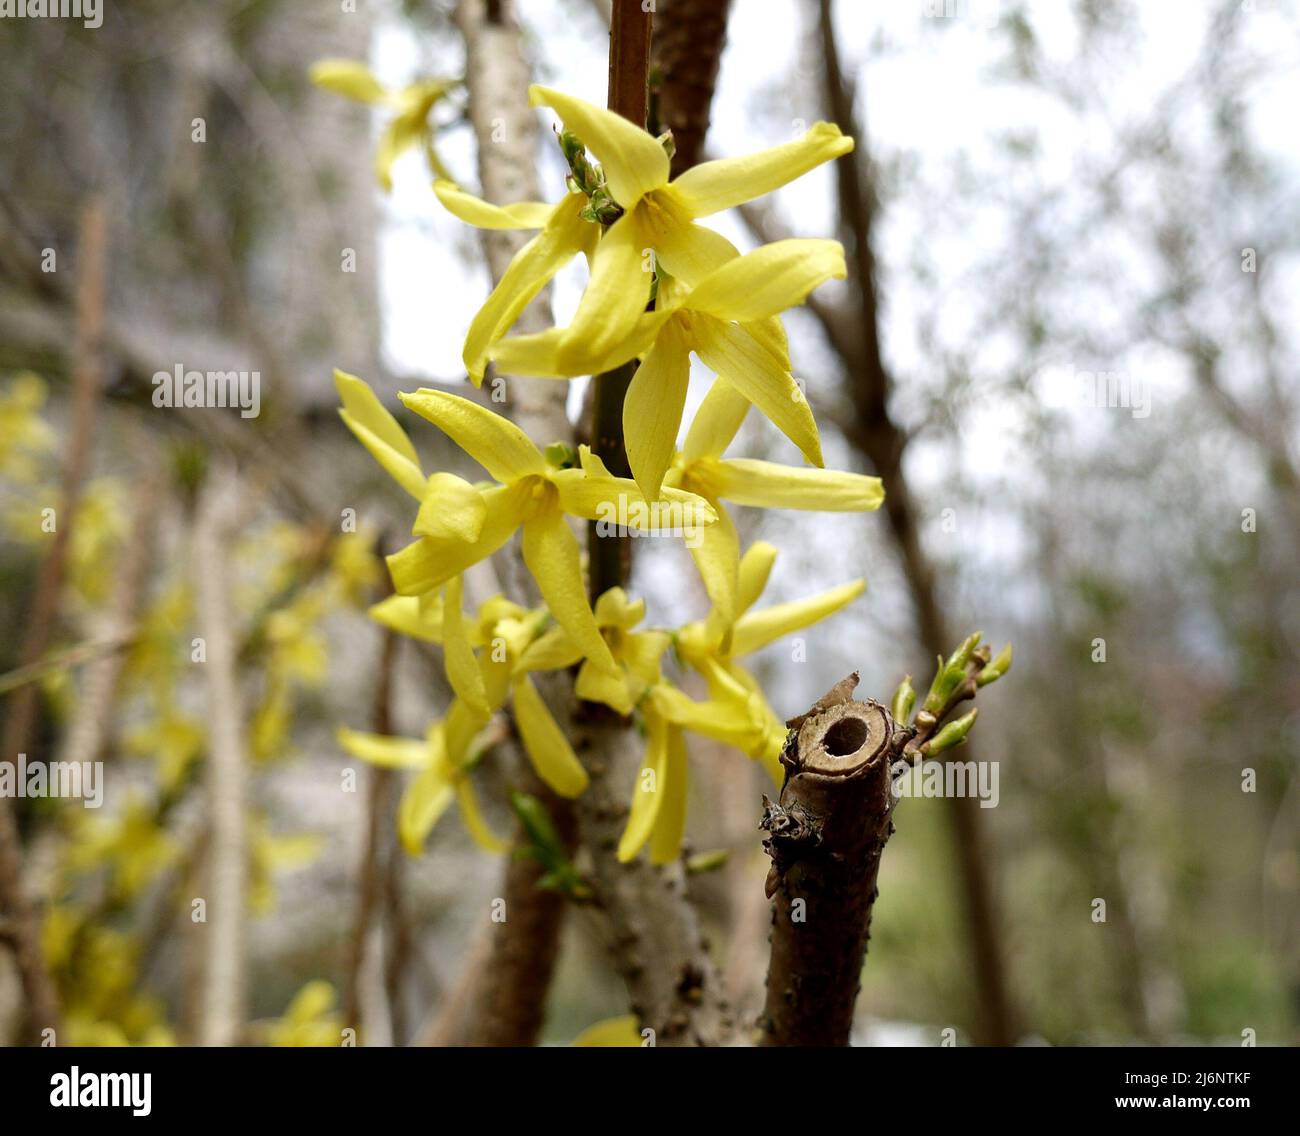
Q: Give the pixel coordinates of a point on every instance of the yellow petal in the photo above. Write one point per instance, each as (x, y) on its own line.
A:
(472, 817)
(429, 563)
(633, 161)
(713, 186)
(612, 1032)
(348, 78)
(559, 354)
(379, 432)
(496, 443)
(688, 252)
(758, 628)
(670, 824)
(452, 509)
(613, 302)
(610, 690)
(717, 421)
(552, 651)
(767, 281)
(648, 791)
(484, 215)
(407, 616)
(652, 409)
(385, 752)
(716, 554)
(755, 568)
(730, 350)
(565, 235)
(398, 136)
(619, 501)
(641, 653)
(770, 485)
(553, 557)
(547, 747)
(422, 806)
(462, 667)
(614, 609)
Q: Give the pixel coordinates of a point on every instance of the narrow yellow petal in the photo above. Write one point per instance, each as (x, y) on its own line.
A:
(717, 421)
(349, 78)
(496, 443)
(385, 752)
(614, 609)
(565, 235)
(547, 747)
(634, 162)
(648, 791)
(755, 568)
(452, 509)
(379, 432)
(770, 485)
(554, 650)
(670, 824)
(559, 354)
(428, 562)
(610, 690)
(713, 186)
(553, 557)
(462, 667)
(422, 806)
(730, 351)
(758, 628)
(614, 301)
(767, 281)
(652, 409)
(642, 651)
(619, 501)
(472, 818)
(406, 616)
(716, 554)
(687, 252)
(484, 215)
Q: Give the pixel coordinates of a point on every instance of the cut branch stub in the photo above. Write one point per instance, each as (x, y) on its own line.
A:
(825, 838)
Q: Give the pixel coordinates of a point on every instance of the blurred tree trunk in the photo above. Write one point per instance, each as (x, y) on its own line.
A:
(855, 335)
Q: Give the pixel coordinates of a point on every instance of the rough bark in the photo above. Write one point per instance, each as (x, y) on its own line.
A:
(688, 43)
(825, 837)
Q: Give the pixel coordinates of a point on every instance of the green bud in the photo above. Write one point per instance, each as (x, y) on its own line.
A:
(667, 141)
(961, 656)
(707, 861)
(996, 669)
(904, 699)
(561, 455)
(953, 734)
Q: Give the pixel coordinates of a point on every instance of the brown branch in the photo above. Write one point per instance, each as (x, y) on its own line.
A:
(379, 790)
(42, 1009)
(629, 72)
(687, 51)
(825, 836)
(882, 441)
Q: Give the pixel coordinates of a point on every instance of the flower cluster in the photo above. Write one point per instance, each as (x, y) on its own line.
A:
(662, 287)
